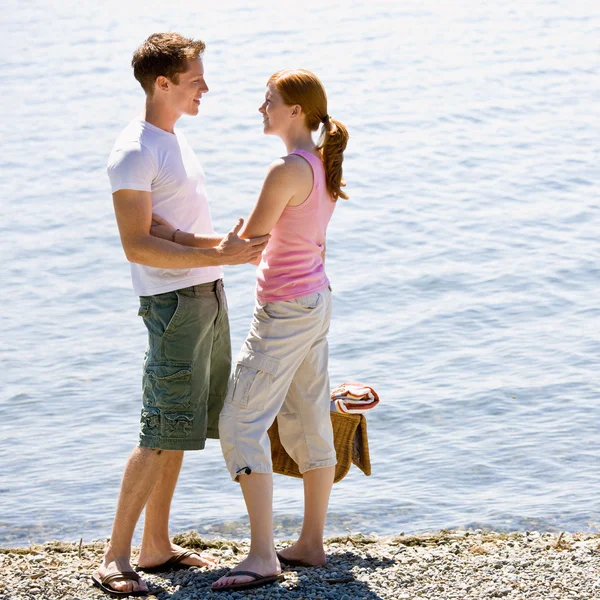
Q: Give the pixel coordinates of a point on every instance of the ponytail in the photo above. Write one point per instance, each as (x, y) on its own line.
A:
(332, 143)
(299, 86)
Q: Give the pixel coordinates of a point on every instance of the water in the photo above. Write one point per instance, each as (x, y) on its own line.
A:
(465, 266)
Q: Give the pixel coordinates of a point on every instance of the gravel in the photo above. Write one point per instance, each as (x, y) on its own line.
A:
(465, 565)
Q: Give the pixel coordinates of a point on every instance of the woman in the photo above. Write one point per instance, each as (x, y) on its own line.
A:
(281, 371)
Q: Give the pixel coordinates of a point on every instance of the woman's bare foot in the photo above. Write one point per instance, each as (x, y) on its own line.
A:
(313, 555)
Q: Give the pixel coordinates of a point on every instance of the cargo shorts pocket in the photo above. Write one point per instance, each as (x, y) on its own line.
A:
(144, 310)
(168, 387)
(150, 422)
(162, 314)
(177, 425)
(251, 382)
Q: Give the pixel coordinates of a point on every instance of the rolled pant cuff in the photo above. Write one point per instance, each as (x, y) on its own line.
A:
(319, 464)
(263, 469)
(170, 443)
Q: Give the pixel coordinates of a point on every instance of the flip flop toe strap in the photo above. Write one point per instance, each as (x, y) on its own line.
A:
(181, 556)
(254, 576)
(120, 576)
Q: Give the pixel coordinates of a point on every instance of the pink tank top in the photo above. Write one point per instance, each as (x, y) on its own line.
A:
(291, 264)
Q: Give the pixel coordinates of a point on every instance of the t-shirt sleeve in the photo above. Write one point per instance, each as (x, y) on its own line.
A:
(131, 167)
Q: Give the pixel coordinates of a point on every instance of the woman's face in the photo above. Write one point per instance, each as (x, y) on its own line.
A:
(276, 114)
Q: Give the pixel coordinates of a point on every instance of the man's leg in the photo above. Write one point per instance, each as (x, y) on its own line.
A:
(220, 365)
(169, 421)
(142, 472)
(180, 361)
(156, 547)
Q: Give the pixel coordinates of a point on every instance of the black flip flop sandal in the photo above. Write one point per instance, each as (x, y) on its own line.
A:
(173, 564)
(259, 581)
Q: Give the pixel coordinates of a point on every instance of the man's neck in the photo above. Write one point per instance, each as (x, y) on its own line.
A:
(160, 116)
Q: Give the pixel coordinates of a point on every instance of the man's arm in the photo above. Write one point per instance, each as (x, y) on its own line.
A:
(133, 210)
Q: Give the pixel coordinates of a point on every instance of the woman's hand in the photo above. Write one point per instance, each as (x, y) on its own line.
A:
(161, 228)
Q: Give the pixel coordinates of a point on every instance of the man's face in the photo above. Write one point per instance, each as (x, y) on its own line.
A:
(186, 94)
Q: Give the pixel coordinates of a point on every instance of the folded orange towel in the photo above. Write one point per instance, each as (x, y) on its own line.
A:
(353, 398)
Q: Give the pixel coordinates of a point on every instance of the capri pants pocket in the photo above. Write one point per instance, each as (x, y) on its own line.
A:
(251, 381)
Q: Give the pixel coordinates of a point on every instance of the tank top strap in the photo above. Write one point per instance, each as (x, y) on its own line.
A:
(311, 158)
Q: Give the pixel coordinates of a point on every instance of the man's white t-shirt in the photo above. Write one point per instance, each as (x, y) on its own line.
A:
(149, 159)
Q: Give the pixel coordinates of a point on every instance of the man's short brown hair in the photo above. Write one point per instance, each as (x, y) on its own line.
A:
(165, 54)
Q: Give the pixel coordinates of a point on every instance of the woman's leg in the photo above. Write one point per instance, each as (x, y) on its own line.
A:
(258, 496)
(309, 546)
(274, 350)
(306, 433)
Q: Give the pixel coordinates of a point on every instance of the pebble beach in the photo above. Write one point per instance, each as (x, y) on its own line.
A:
(473, 565)
(464, 267)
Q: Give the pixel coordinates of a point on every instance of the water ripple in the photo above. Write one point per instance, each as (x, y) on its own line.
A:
(464, 266)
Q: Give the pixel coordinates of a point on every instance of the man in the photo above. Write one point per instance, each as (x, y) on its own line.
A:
(152, 169)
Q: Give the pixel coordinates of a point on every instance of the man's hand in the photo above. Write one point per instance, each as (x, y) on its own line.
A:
(237, 251)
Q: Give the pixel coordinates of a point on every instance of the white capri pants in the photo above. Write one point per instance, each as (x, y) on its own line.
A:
(281, 373)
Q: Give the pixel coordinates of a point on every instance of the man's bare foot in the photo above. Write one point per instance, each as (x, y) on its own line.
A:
(154, 557)
(313, 556)
(112, 564)
(262, 566)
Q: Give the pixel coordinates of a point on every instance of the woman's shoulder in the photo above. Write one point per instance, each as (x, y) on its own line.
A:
(292, 166)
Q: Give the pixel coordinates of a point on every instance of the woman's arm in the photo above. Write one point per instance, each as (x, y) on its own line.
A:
(161, 228)
(283, 180)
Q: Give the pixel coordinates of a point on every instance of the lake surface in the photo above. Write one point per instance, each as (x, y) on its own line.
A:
(465, 266)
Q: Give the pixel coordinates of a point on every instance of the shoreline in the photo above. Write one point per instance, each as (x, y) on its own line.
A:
(433, 566)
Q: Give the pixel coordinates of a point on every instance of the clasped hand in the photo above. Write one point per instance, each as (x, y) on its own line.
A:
(232, 248)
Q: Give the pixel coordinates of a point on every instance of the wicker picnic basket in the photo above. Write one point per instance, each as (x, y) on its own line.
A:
(351, 446)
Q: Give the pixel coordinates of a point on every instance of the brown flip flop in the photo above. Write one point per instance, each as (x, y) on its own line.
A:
(104, 583)
(259, 581)
(173, 564)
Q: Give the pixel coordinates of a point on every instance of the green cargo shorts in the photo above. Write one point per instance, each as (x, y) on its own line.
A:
(187, 366)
